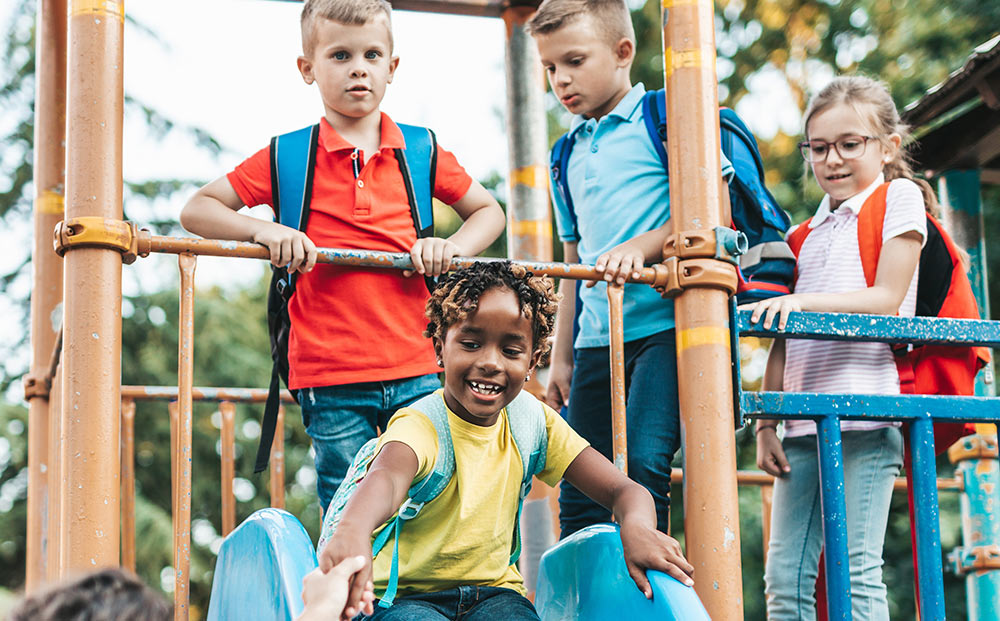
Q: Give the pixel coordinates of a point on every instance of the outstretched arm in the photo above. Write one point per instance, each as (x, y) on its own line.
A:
(483, 222)
(377, 497)
(212, 213)
(644, 546)
(897, 262)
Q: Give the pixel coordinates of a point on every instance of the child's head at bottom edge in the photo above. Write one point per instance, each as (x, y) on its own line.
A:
(104, 595)
(490, 323)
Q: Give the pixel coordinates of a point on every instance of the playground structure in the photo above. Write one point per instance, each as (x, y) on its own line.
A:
(76, 470)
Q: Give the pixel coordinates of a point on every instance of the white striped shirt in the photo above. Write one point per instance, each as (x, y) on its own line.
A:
(830, 262)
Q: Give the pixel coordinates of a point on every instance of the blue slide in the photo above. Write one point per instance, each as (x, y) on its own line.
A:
(583, 578)
(262, 563)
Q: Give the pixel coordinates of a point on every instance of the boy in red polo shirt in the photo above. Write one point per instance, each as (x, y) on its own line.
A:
(356, 351)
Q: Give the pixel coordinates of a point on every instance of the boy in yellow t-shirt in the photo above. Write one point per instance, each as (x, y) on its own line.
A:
(490, 325)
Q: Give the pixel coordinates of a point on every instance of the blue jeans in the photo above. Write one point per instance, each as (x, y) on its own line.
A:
(652, 417)
(340, 419)
(466, 603)
(872, 460)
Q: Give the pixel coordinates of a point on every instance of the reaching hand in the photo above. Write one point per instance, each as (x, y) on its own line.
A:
(779, 306)
(432, 256)
(325, 594)
(288, 247)
(770, 455)
(619, 263)
(647, 548)
(557, 393)
(345, 545)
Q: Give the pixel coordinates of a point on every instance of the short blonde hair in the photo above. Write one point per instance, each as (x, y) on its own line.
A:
(611, 18)
(352, 12)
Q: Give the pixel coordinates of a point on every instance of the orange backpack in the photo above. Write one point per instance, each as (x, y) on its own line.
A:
(943, 290)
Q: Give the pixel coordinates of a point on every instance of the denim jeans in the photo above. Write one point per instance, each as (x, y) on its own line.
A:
(872, 460)
(466, 603)
(653, 433)
(340, 419)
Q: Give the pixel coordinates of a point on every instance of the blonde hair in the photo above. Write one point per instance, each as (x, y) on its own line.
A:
(611, 18)
(871, 100)
(351, 12)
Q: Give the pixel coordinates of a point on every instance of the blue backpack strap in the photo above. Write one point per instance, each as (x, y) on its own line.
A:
(418, 163)
(423, 491)
(654, 114)
(559, 171)
(526, 417)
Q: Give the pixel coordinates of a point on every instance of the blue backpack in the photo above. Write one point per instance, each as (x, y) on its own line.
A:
(526, 418)
(293, 161)
(767, 268)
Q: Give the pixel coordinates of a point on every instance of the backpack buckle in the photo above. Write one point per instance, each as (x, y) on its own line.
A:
(525, 488)
(409, 509)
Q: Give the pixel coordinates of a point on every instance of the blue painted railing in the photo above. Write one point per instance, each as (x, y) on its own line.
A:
(920, 411)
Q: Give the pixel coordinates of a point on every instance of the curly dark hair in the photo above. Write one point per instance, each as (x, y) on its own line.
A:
(458, 292)
(105, 595)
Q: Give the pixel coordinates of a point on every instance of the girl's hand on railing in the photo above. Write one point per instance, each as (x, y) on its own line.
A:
(770, 455)
(774, 307)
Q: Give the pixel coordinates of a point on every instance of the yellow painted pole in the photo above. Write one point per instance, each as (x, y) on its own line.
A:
(185, 376)
(46, 292)
(90, 511)
(711, 521)
(619, 426)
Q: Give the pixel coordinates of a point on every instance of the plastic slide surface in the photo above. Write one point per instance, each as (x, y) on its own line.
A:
(260, 569)
(583, 578)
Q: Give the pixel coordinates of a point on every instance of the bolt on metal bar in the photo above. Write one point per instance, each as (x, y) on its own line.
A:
(128, 483)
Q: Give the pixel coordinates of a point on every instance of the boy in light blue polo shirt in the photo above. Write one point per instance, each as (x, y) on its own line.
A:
(621, 201)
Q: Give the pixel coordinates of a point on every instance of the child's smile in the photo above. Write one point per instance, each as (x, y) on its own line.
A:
(487, 358)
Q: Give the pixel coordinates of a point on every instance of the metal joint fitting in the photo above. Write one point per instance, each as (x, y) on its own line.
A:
(974, 447)
(666, 280)
(97, 232)
(35, 386)
(722, 243)
(979, 558)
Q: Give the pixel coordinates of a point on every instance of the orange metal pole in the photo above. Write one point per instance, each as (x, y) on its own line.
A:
(46, 292)
(53, 557)
(91, 512)
(227, 409)
(766, 501)
(174, 450)
(128, 484)
(712, 527)
(619, 427)
(278, 462)
(185, 373)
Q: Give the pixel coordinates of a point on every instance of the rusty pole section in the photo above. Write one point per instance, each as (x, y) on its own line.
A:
(90, 512)
(174, 503)
(227, 410)
(185, 376)
(53, 558)
(128, 484)
(711, 521)
(46, 292)
(529, 221)
(278, 462)
(619, 427)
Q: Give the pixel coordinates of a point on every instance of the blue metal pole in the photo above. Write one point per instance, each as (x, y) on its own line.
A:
(831, 475)
(979, 560)
(925, 501)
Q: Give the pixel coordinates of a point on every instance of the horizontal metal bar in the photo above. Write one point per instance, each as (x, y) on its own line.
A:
(880, 328)
(167, 393)
(372, 258)
(812, 406)
(756, 478)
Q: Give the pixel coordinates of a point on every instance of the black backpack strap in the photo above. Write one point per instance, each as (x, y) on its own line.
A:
(296, 188)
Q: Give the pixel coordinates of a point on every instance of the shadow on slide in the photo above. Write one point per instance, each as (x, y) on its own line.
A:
(584, 578)
(260, 569)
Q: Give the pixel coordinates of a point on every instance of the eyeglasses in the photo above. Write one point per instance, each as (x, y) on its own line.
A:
(848, 148)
